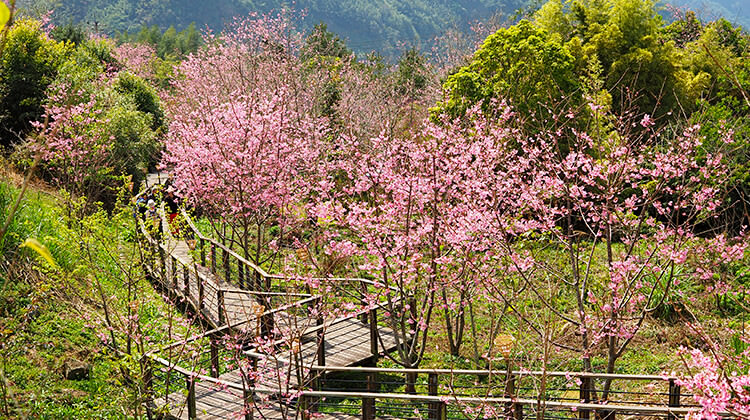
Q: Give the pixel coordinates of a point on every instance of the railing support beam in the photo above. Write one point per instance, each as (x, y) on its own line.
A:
(192, 411)
(368, 404)
(674, 398)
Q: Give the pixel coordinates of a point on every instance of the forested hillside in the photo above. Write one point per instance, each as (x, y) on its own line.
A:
(736, 11)
(547, 216)
(367, 24)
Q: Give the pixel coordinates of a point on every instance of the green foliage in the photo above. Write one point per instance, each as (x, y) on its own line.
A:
(522, 64)
(126, 117)
(28, 65)
(70, 32)
(134, 144)
(683, 30)
(169, 45)
(48, 316)
(145, 98)
(716, 121)
(4, 15)
(552, 18)
(412, 73)
(643, 66)
(82, 68)
(639, 69)
(323, 43)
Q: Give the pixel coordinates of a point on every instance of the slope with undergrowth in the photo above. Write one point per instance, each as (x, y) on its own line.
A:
(91, 305)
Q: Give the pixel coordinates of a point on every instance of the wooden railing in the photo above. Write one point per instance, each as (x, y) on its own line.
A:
(210, 248)
(208, 257)
(438, 401)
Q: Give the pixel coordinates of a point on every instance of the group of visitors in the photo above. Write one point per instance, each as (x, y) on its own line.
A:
(147, 203)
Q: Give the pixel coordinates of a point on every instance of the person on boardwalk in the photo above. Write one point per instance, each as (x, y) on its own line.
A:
(172, 204)
(139, 207)
(153, 215)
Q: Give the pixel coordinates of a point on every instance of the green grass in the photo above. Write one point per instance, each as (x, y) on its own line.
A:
(52, 314)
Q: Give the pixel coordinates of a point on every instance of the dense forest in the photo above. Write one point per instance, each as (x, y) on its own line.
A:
(383, 26)
(367, 25)
(551, 202)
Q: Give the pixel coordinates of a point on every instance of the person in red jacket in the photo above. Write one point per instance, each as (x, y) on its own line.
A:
(172, 205)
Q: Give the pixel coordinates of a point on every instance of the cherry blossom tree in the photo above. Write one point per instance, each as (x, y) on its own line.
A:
(402, 206)
(242, 140)
(140, 59)
(607, 219)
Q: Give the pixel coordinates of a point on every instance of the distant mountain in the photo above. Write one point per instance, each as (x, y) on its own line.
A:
(735, 11)
(382, 25)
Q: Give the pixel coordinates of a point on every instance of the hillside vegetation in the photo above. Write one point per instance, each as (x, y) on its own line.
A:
(368, 25)
(574, 186)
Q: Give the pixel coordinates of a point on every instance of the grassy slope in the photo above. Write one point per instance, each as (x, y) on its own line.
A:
(49, 315)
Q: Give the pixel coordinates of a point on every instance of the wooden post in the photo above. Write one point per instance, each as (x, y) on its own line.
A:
(173, 274)
(163, 267)
(148, 385)
(254, 366)
(317, 385)
(148, 378)
(512, 410)
(411, 381)
(213, 258)
(192, 411)
(186, 279)
(248, 402)
(203, 252)
(585, 397)
(266, 319)
(373, 315)
(258, 282)
(220, 303)
(201, 290)
(214, 358)
(368, 404)
(266, 324)
(674, 397)
(306, 407)
(437, 409)
(321, 342)
(227, 270)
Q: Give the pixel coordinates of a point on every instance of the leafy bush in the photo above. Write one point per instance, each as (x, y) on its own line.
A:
(28, 65)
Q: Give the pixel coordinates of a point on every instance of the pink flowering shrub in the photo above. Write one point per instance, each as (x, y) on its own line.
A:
(242, 141)
(717, 389)
(139, 59)
(92, 138)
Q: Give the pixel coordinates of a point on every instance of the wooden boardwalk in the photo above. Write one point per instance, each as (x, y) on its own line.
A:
(213, 403)
(238, 306)
(347, 341)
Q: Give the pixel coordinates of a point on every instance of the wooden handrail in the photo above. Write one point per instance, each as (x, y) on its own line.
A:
(218, 244)
(263, 272)
(643, 409)
(227, 328)
(519, 373)
(626, 408)
(253, 292)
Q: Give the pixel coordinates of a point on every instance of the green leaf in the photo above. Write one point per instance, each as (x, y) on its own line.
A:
(4, 14)
(40, 249)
